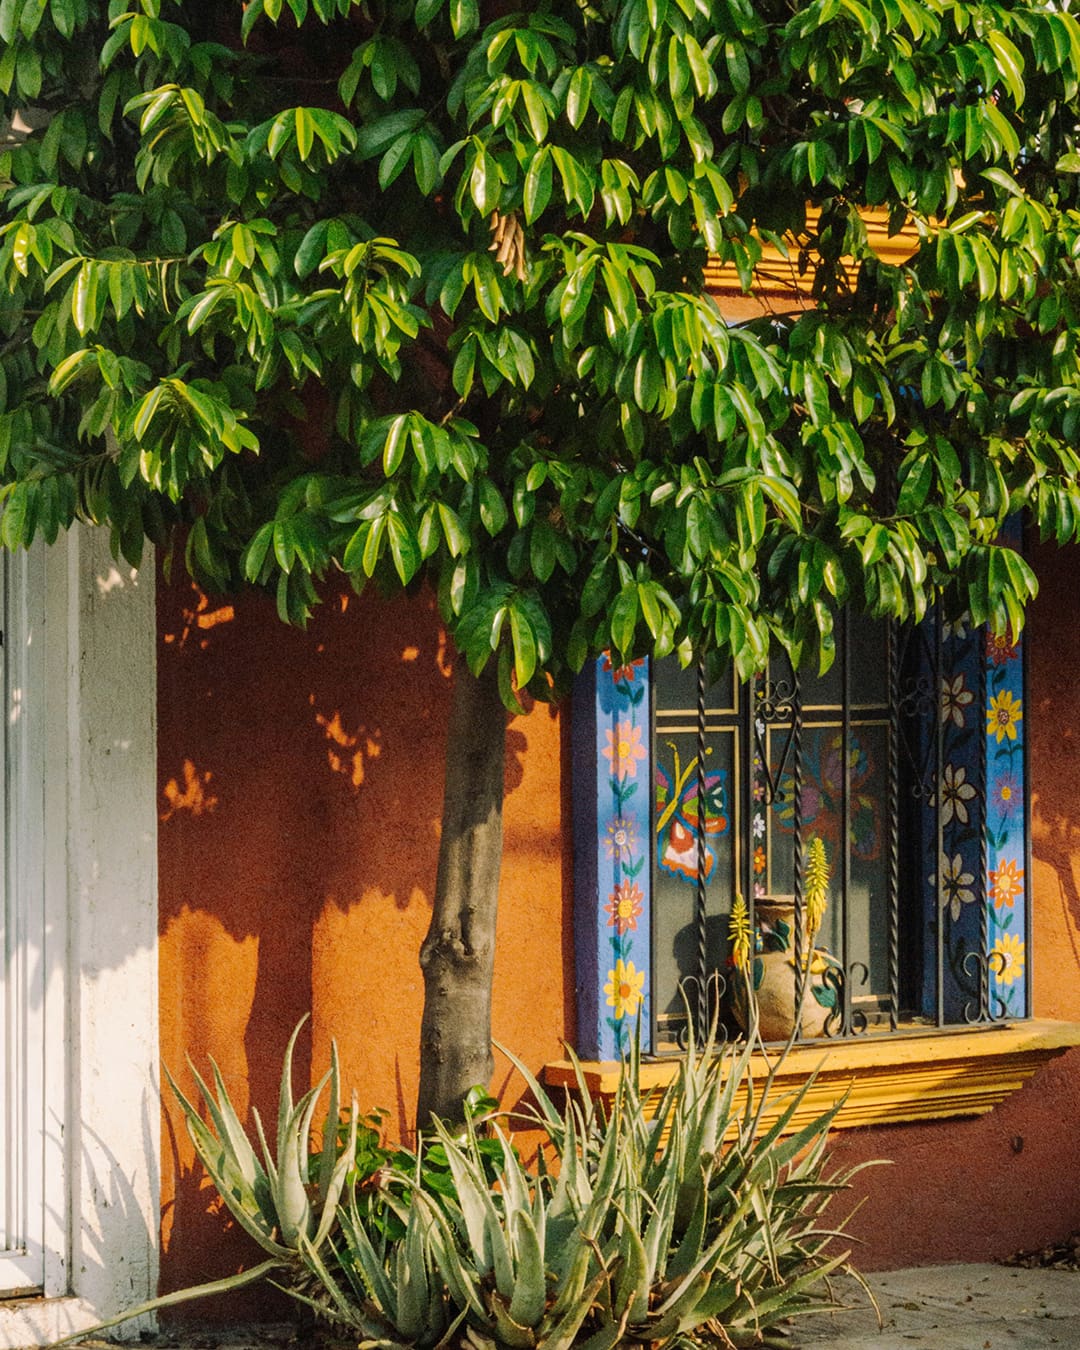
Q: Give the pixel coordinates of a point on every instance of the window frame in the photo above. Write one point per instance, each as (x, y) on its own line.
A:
(614, 823)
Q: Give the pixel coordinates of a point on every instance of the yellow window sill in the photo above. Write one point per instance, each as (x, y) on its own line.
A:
(887, 1078)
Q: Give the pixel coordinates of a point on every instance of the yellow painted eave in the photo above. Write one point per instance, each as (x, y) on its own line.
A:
(777, 281)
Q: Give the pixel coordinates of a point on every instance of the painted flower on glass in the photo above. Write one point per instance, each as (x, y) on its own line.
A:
(624, 749)
(823, 793)
(759, 860)
(759, 889)
(956, 698)
(956, 792)
(1007, 959)
(758, 825)
(1005, 794)
(625, 673)
(956, 628)
(620, 839)
(624, 989)
(1002, 716)
(1000, 648)
(678, 814)
(1006, 883)
(624, 907)
(955, 884)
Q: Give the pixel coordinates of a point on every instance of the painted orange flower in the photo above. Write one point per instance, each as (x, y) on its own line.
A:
(624, 906)
(1007, 959)
(624, 989)
(1006, 883)
(624, 749)
(625, 672)
(759, 860)
(1000, 648)
(1002, 716)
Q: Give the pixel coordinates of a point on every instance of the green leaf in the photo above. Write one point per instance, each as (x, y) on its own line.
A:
(404, 548)
(1009, 62)
(538, 184)
(493, 512)
(624, 617)
(524, 643)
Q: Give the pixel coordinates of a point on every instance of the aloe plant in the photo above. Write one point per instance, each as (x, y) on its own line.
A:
(525, 1262)
(270, 1196)
(269, 1193)
(386, 1290)
(715, 1220)
(666, 1217)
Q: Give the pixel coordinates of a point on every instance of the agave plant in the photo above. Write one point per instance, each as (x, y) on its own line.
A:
(270, 1196)
(269, 1193)
(715, 1221)
(386, 1290)
(525, 1262)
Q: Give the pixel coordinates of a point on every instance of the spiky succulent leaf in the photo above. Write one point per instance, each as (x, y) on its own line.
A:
(328, 1157)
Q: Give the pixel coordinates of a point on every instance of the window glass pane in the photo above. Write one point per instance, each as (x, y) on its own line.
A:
(868, 664)
(677, 688)
(675, 875)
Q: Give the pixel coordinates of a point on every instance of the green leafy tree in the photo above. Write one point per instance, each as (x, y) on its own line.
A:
(414, 289)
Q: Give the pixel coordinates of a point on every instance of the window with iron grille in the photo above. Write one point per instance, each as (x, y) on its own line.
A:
(899, 774)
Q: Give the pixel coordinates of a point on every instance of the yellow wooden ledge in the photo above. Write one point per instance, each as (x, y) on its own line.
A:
(887, 1078)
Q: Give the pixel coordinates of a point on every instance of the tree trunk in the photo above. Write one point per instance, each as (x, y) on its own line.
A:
(458, 955)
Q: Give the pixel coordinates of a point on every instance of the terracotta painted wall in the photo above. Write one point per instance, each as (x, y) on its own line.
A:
(300, 795)
(979, 1189)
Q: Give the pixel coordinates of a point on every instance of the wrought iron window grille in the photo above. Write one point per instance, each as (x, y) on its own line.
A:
(908, 767)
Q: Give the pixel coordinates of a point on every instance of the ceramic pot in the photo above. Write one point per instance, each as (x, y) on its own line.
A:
(773, 974)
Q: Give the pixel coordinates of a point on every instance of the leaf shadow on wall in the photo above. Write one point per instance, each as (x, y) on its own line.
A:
(300, 779)
(1052, 638)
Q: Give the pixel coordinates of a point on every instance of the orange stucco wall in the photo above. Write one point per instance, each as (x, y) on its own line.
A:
(300, 797)
(979, 1189)
(301, 789)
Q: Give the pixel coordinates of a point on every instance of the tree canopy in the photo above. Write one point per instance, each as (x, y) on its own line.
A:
(416, 289)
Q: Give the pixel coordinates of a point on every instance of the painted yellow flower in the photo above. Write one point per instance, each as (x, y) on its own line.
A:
(624, 749)
(1006, 883)
(1007, 959)
(1002, 716)
(624, 988)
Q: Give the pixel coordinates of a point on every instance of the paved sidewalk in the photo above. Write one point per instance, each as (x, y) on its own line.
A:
(978, 1307)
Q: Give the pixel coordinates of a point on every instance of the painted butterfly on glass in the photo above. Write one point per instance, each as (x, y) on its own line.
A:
(677, 813)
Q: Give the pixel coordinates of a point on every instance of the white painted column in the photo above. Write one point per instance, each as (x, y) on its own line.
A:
(100, 1052)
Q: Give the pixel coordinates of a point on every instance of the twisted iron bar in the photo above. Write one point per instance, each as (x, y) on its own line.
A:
(893, 790)
(984, 898)
(702, 856)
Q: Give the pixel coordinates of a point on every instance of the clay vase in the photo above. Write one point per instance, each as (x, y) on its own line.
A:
(773, 974)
